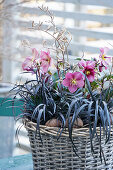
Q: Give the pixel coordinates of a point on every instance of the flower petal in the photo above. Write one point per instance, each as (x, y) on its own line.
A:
(108, 59)
(80, 83)
(44, 68)
(69, 75)
(91, 78)
(105, 63)
(90, 64)
(27, 64)
(72, 89)
(105, 68)
(82, 63)
(44, 55)
(104, 50)
(66, 82)
(45, 60)
(35, 53)
(77, 75)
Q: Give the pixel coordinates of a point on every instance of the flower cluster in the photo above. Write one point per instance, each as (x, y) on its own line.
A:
(37, 61)
(41, 62)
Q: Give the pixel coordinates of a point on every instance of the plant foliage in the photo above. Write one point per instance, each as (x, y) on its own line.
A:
(68, 93)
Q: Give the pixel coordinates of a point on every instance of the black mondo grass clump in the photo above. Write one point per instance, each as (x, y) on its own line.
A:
(100, 110)
(96, 113)
(38, 103)
(73, 96)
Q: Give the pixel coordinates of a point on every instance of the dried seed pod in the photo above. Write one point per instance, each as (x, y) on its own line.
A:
(78, 123)
(53, 123)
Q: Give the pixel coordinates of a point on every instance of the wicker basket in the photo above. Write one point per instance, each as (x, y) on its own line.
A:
(59, 155)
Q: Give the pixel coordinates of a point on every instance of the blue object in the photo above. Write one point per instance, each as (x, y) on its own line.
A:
(23, 162)
(7, 122)
(6, 107)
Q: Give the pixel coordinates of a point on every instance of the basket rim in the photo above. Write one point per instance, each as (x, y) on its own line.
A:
(55, 131)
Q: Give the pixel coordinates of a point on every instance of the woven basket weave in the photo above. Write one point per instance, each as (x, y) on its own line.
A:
(59, 155)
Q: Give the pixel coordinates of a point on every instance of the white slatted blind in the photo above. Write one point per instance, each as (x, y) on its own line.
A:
(90, 23)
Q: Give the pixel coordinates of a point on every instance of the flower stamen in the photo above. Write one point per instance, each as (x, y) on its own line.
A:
(33, 58)
(73, 82)
(87, 72)
(48, 60)
(103, 57)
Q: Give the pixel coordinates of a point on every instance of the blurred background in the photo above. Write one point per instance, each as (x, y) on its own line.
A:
(89, 22)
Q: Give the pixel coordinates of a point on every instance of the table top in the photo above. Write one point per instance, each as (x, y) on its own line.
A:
(17, 163)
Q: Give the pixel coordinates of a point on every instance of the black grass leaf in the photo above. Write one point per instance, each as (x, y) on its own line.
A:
(63, 123)
(89, 87)
(108, 124)
(96, 119)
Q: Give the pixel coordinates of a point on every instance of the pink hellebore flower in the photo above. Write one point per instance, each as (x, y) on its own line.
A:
(73, 81)
(104, 61)
(88, 69)
(45, 60)
(30, 62)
